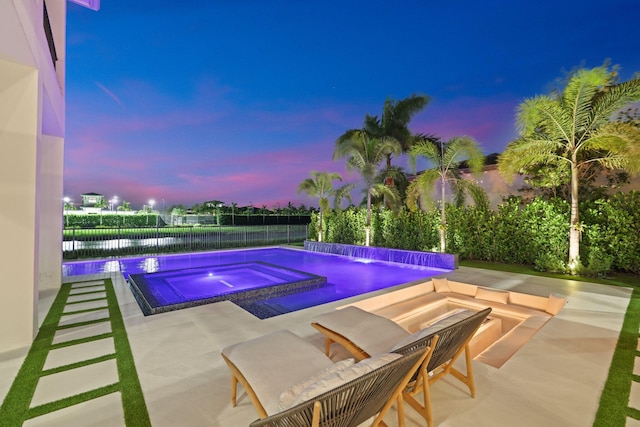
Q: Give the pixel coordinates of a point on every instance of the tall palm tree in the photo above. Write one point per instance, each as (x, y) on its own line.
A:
(321, 186)
(365, 154)
(394, 122)
(446, 156)
(574, 128)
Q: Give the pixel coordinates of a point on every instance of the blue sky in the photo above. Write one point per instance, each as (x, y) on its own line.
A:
(238, 100)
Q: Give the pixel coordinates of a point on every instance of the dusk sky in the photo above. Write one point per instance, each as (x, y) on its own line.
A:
(238, 100)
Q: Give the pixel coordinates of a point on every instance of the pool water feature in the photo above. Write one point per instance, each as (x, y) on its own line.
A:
(346, 276)
(245, 281)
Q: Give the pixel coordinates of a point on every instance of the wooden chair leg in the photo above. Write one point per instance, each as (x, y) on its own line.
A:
(401, 420)
(315, 421)
(426, 395)
(327, 346)
(234, 389)
(470, 381)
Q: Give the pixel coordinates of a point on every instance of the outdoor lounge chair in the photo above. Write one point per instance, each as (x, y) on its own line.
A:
(363, 333)
(282, 369)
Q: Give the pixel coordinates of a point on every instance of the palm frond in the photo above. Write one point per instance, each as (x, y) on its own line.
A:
(543, 116)
(610, 101)
(524, 152)
(473, 189)
(425, 148)
(461, 148)
(341, 193)
(620, 143)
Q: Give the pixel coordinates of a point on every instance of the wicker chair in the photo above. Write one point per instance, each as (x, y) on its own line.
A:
(357, 401)
(268, 365)
(454, 334)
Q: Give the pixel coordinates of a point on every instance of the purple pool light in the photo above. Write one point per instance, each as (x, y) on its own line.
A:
(346, 276)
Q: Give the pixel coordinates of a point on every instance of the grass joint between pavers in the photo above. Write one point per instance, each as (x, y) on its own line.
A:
(15, 408)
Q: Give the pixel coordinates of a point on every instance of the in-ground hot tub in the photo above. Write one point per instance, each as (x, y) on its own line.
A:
(177, 289)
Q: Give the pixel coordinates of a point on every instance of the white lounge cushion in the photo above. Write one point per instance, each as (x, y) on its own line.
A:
(274, 362)
(434, 328)
(290, 395)
(343, 376)
(372, 333)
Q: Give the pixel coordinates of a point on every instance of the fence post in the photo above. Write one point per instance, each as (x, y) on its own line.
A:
(118, 239)
(73, 242)
(288, 234)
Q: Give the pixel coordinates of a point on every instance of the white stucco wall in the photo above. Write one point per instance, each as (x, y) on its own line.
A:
(31, 163)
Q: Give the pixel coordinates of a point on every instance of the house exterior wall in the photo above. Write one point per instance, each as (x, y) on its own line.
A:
(31, 152)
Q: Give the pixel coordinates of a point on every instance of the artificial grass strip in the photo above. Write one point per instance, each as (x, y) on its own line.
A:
(16, 409)
(16, 403)
(135, 408)
(614, 401)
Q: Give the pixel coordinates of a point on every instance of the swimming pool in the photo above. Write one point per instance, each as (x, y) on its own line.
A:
(346, 276)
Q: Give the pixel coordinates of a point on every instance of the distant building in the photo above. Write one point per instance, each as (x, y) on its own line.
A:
(90, 200)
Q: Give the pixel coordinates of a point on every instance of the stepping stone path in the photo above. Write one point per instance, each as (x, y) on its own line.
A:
(79, 367)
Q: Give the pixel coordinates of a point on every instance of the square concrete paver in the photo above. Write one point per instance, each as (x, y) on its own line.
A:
(75, 381)
(83, 331)
(86, 296)
(70, 308)
(70, 319)
(79, 352)
(105, 411)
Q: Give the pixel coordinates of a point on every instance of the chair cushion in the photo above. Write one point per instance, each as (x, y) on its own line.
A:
(290, 395)
(434, 328)
(372, 333)
(492, 295)
(340, 377)
(275, 362)
(441, 284)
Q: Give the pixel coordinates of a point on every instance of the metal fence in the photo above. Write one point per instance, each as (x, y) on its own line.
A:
(120, 241)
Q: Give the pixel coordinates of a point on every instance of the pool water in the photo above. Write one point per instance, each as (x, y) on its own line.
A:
(346, 276)
(239, 282)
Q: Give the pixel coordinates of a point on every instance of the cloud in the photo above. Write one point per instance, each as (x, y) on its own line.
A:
(110, 94)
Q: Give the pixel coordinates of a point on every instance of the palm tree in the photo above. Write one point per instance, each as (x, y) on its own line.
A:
(394, 122)
(574, 128)
(447, 156)
(365, 153)
(321, 186)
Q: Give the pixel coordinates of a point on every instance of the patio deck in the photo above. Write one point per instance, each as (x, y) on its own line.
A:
(555, 380)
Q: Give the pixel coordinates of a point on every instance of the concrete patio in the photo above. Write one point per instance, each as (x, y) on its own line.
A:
(555, 380)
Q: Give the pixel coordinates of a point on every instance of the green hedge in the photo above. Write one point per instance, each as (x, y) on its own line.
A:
(97, 220)
(534, 233)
